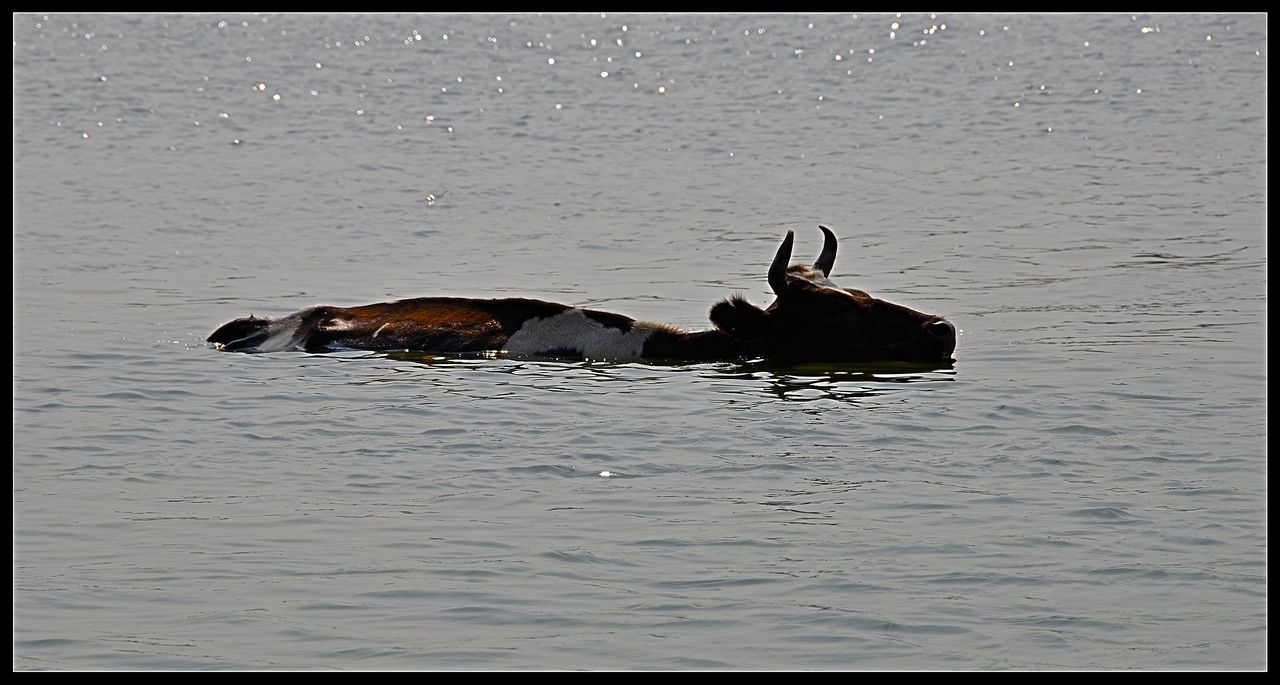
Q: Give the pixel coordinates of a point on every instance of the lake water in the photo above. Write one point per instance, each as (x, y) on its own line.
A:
(1085, 197)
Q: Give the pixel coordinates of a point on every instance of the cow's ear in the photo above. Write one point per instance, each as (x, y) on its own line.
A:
(738, 318)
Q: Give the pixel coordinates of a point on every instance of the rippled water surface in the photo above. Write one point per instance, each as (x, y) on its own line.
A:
(1084, 197)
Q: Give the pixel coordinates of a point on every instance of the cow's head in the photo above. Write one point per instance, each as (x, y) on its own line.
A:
(814, 319)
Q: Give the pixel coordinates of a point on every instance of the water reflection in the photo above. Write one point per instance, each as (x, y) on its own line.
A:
(843, 382)
(808, 382)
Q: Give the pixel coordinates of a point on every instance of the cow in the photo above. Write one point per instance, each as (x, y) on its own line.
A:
(812, 319)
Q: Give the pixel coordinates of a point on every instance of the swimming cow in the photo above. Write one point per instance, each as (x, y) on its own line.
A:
(812, 319)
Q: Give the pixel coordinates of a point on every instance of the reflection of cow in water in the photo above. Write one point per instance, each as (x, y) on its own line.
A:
(811, 320)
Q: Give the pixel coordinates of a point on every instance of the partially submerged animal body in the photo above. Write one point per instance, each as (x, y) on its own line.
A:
(812, 319)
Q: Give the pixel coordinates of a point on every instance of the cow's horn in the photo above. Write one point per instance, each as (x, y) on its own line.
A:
(778, 270)
(827, 259)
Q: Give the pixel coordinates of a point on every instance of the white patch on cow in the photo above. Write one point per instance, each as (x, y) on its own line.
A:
(284, 333)
(812, 275)
(380, 329)
(573, 330)
(338, 324)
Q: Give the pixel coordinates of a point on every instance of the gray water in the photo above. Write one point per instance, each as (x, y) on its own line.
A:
(1083, 196)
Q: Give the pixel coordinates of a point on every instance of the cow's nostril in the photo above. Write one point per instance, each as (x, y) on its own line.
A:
(942, 329)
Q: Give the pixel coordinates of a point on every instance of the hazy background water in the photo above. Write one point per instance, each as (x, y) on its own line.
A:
(1085, 197)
